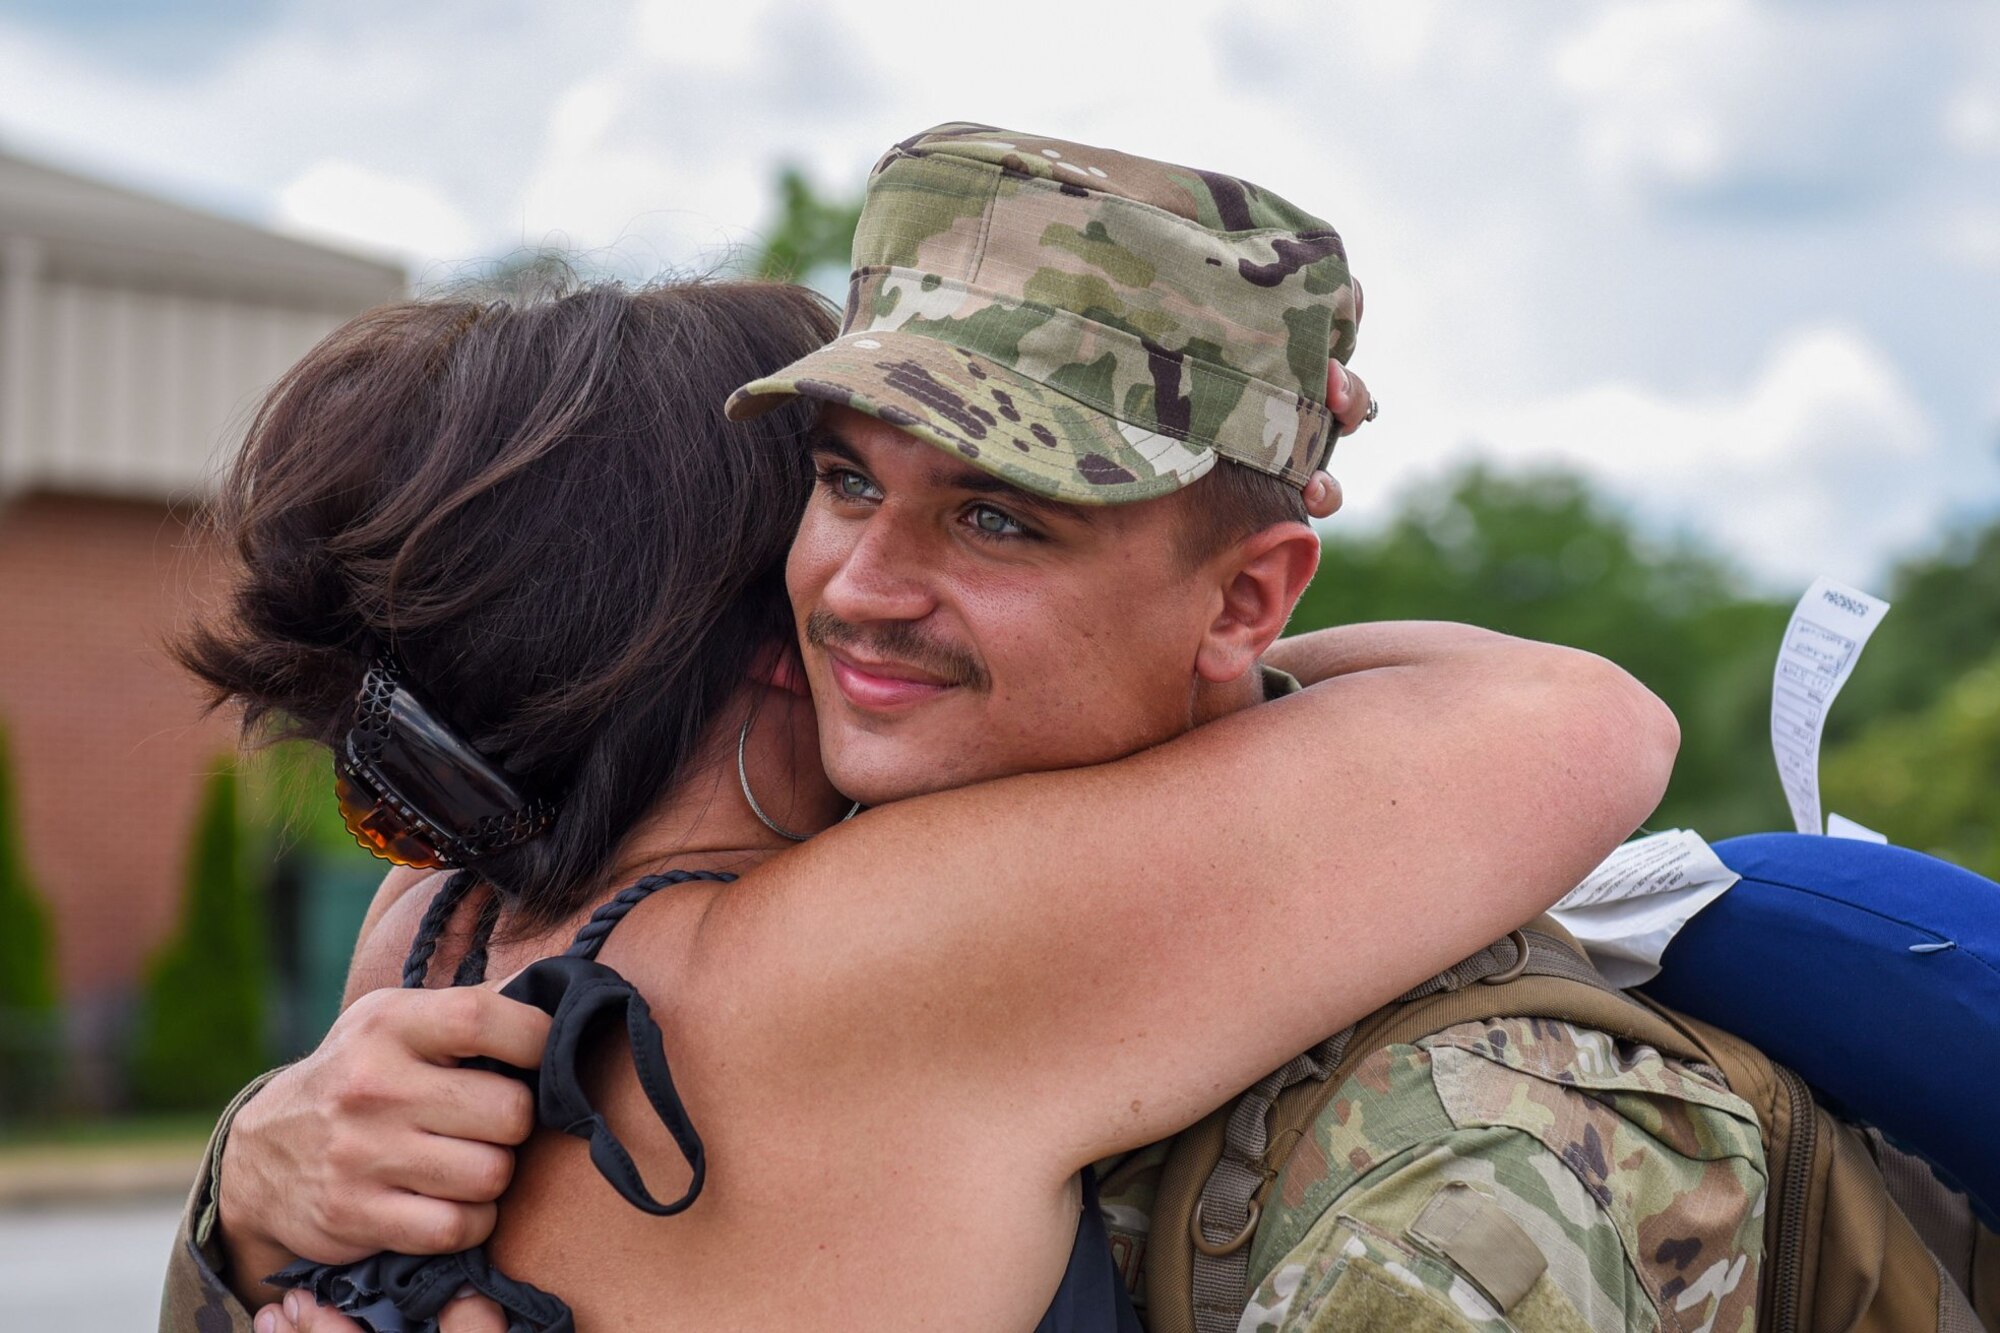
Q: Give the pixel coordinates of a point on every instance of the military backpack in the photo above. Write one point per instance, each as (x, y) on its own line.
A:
(1853, 1228)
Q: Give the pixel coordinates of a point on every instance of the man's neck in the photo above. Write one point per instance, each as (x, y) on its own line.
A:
(1213, 701)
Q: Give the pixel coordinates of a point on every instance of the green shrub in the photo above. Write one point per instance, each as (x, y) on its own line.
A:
(28, 1018)
(810, 232)
(1927, 779)
(201, 1026)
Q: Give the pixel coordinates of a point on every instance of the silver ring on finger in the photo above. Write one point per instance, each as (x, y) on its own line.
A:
(1374, 408)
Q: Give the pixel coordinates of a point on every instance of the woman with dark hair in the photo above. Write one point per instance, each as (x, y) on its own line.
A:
(512, 566)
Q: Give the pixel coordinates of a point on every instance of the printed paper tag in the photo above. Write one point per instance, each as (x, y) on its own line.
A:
(1840, 826)
(1822, 643)
(1629, 909)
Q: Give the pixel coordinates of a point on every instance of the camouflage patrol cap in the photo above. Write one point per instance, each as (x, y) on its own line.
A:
(1087, 325)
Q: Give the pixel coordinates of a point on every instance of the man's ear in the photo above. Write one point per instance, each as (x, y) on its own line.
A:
(1262, 578)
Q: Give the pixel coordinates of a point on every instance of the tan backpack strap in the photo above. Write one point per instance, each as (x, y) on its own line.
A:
(1169, 1265)
(1912, 1289)
(1255, 1143)
(1942, 1216)
(1230, 1202)
(1986, 1277)
(1550, 978)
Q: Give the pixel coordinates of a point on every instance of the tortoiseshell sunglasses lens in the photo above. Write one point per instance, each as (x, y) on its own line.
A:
(377, 826)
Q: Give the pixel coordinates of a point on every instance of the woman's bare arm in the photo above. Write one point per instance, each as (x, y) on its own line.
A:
(1343, 650)
(1100, 956)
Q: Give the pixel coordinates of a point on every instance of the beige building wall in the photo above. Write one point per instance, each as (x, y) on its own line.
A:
(136, 337)
(134, 392)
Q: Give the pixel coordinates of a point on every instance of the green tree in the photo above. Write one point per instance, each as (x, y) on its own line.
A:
(1540, 555)
(317, 885)
(1928, 779)
(811, 233)
(288, 805)
(28, 1022)
(1945, 622)
(201, 1031)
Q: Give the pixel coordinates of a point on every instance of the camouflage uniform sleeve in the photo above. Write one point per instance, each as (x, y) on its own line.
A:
(1517, 1174)
(195, 1298)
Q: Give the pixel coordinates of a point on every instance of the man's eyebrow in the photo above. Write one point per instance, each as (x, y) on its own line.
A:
(826, 442)
(985, 483)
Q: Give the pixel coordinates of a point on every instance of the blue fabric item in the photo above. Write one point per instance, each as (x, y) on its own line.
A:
(1091, 1297)
(1874, 972)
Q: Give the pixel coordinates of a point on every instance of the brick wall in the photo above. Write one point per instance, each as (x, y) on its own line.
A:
(108, 744)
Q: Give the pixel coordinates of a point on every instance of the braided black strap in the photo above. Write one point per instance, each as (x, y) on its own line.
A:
(591, 937)
(417, 966)
(472, 968)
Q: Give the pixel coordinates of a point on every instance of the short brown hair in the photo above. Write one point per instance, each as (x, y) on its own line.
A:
(536, 507)
(1229, 504)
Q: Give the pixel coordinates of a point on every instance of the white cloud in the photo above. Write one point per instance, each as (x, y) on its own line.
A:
(1971, 236)
(1971, 121)
(1647, 76)
(1395, 38)
(347, 203)
(584, 114)
(702, 33)
(1813, 465)
(1753, 105)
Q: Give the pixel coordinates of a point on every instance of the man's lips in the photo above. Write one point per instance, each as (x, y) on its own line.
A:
(881, 686)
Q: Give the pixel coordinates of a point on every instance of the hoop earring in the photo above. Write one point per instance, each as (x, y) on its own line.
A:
(743, 780)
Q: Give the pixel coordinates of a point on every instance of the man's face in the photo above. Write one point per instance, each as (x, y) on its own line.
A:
(956, 629)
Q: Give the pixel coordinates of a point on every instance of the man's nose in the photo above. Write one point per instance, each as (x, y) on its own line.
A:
(886, 575)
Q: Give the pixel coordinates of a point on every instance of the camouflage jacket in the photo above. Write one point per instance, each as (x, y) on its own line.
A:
(195, 1299)
(1507, 1174)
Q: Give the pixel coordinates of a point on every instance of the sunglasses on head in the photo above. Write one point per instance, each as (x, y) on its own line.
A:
(412, 791)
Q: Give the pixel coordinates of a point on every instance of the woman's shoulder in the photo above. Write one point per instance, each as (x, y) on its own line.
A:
(388, 928)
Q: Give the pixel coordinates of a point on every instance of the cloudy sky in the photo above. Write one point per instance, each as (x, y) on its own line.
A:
(1739, 259)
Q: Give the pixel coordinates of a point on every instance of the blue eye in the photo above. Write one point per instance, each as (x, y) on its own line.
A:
(847, 484)
(996, 522)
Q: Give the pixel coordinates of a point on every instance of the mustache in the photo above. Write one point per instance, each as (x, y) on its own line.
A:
(901, 641)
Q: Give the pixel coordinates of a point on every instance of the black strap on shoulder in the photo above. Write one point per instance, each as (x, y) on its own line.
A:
(417, 963)
(596, 930)
(472, 968)
(405, 1293)
(396, 1293)
(580, 994)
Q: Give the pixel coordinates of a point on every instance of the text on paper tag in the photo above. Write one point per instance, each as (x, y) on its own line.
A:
(1828, 629)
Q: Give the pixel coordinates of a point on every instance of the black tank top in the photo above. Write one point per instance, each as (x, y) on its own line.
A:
(403, 1293)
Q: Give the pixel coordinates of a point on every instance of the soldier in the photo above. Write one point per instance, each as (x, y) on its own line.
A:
(1084, 329)
(1635, 1184)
